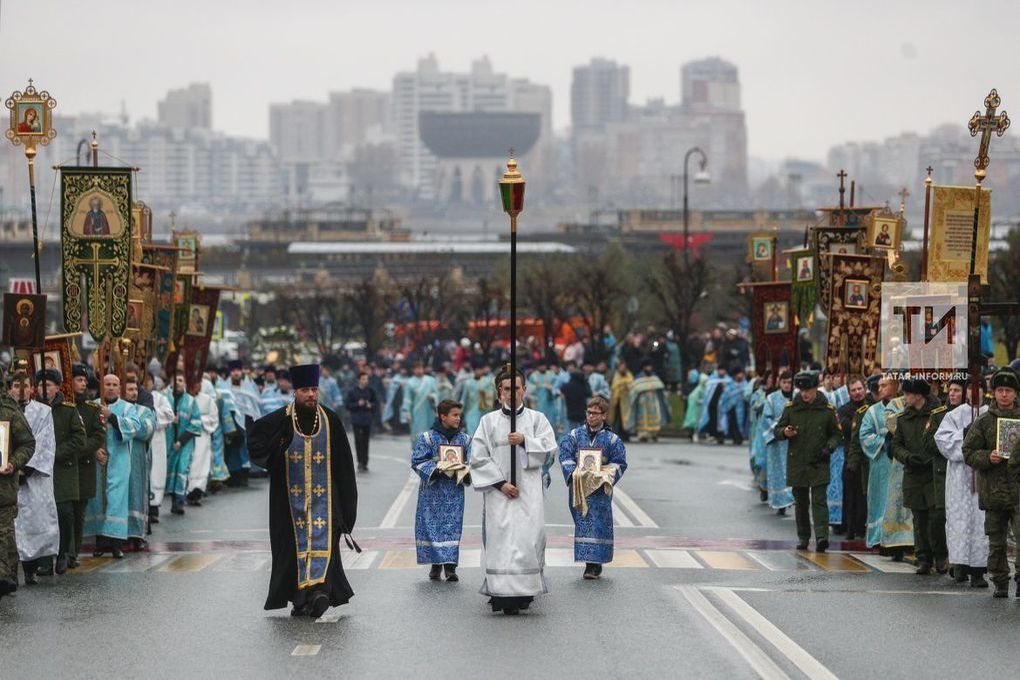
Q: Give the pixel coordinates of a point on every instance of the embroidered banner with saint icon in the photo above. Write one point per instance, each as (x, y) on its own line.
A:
(773, 327)
(198, 331)
(854, 313)
(95, 243)
(164, 259)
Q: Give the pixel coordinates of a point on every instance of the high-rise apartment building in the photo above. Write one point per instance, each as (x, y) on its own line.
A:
(598, 94)
(187, 108)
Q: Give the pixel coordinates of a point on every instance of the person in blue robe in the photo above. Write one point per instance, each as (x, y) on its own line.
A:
(245, 400)
(394, 393)
(439, 519)
(596, 381)
(476, 394)
(733, 408)
(138, 486)
(421, 395)
(329, 391)
(219, 473)
(593, 519)
(780, 494)
(278, 395)
(876, 441)
(758, 453)
(180, 442)
(711, 413)
(106, 516)
(543, 393)
(838, 395)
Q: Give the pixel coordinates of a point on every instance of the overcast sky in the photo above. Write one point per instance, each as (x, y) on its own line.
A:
(814, 73)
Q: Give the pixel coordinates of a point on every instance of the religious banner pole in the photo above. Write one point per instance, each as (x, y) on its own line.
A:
(31, 123)
(927, 225)
(985, 125)
(511, 191)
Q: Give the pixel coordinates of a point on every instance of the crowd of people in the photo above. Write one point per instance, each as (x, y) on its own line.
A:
(899, 463)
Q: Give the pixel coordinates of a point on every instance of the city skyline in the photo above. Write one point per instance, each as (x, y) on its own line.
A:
(790, 73)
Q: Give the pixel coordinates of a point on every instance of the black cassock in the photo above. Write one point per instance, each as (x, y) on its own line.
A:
(268, 441)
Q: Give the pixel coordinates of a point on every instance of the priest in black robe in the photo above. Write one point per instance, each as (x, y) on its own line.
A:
(313, 498)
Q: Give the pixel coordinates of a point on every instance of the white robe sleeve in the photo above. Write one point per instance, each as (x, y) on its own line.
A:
(210, 414)
(540, 441)
(485, 470)
(164, 411)
(45, 441)
(949, 436)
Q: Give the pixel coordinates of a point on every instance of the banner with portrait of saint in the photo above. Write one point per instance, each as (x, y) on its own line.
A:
(164, 261)
(854, 313)
(773, 327)
(95, 244)
(58, 353)
(804, 283)
(952, 232)
(835, 241)
(24, 320)
(761, 254)
(201, 320)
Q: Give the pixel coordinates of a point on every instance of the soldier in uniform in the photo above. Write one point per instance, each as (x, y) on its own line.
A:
(69, 434)
(910, 448)
(21, 447)
(955, 396)
(997, 487)
(855, 502)
(810, 425)
(89, 455)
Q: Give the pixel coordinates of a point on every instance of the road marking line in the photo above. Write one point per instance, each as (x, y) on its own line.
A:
(743, 486)
(470, 558)
(559, 557)
(639, 515)
(884, 564)
(137, 563)
(620, 518)
(808, 664)
(190, 562)
(628, 559)
(393, 514)
(673, 559)
(754, 655)
(733, 561)
(399, 559)
(89, 563)
(362, 560)
(780, 561)
(834, 562)
(332, 615)
(244, 562)
(306, 650)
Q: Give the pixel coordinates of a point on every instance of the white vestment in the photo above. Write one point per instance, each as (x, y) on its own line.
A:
(157, 472)
(201, 459)
(513, 531)
(35, 528)
(965, 521)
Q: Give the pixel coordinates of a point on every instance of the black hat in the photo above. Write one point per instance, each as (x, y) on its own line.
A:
(79, 371)
(873, 381)
(51, 374)
(303, 375)
(916, 386)
(269, 368)
(234, 364)
(1005, 378)
(284, 374)
(962, 382)
(805, 380)
(93, 384)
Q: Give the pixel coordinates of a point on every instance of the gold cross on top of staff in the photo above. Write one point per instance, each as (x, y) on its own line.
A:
(986, 125)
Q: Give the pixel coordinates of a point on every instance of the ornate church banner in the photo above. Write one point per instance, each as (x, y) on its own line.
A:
(95, 240)
(854, 313)
(775, 333)
(837, 241)
(201, 317)
(952, 231)
(164, 261)
(804, 282)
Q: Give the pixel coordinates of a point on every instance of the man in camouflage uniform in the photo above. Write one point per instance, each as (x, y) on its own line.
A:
(809, 423)
(855, 501)
(89, 455)
(997, 480)
(19, 449)
(909, 448)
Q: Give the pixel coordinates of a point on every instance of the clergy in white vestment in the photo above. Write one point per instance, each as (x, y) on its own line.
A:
(35, 528)
(965, 520)
(157, 474)
(201, 459)
(513, 516)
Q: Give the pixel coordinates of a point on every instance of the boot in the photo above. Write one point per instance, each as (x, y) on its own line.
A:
(153, 514)
(977, 578)
(451, 572)
(590, 573)
(802, 545)
(115, 550)
(30, 574)
(72, 562)
(177, 506)
(46, 568)
(940, 566)
(822, 545)
(1001, 590)
(61, 567)
(7, 587)
(923, 569)
(435, 572)
(960, 573)
(319, 605)
(195, 498)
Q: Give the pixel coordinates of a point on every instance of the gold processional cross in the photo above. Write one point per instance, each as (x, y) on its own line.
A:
(986, 125)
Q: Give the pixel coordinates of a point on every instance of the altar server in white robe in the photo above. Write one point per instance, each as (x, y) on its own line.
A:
(965, 520)
(35, 528)
(513, 515)
(201, 459)
(157, 477)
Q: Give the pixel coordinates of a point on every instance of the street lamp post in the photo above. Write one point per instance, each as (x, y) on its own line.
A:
(511, 191)
(701, 177)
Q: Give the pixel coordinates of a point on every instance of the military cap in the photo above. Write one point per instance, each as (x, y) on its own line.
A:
(873, 381)
(79, 371)
(916, 386)
(1005, 378)
(805, 380)
(50, 374)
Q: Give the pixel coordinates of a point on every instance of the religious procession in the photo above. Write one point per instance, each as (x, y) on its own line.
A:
(709, 440)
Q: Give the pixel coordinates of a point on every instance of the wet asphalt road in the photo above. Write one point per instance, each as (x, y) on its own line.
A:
(706, 584)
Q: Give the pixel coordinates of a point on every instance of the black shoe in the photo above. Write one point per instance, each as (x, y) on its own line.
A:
(1001, 590)
(590, 573)
(897, 556)
(7, 587)
(299, 611)
(960, 573)
(177, 506)
(451, 572)
(941, 567)
(822, 545)
(511, 611)
(435, 572)
(319, 605)
(117, 553)
(598, 572)
(802, 545)
(30, 578)
(763, 495)
(61, 567)
(194, 498)
(98, 552)
(45, 571)
(73, 563)
(781, 512)
(851, 536)
(978, 581)
(923, 569)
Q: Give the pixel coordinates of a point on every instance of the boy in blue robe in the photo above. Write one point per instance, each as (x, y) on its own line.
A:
(780, 494)
(439, 519)
(180, 442)
(733, 409)
(590, 492)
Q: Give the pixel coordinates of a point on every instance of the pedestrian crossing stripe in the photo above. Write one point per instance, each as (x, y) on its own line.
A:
(470, 558)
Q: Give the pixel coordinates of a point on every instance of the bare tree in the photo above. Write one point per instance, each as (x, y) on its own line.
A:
(596, 291)
(1003, 274)
(369, 302)
(542, 290)
(487, 304)
(318, 312)
(679, 289)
